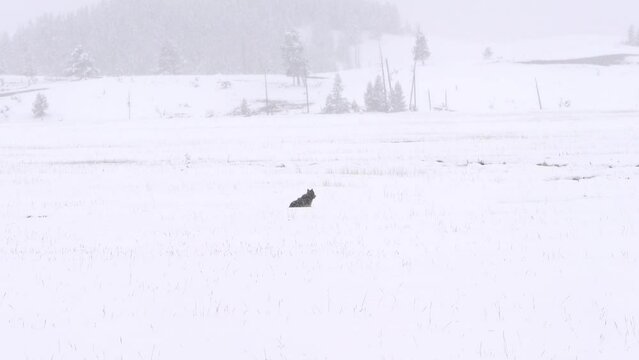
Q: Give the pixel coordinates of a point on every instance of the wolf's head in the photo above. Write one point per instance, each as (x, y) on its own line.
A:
(310, 193)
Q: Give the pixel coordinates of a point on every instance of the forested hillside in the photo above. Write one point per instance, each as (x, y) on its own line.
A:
(214, 36)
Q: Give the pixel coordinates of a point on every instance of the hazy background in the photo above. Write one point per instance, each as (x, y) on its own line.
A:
(475, 19)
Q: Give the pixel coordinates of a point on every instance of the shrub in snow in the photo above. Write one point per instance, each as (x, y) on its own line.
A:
(40, 106)
(4, 112)
(375, 97)
(420, 50)
(398, 102)
(81, 65)
(335, 102)
(564, 103)
(488, 53)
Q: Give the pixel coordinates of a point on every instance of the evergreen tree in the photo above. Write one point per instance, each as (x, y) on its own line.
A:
(335, 102)
(294, 58)
(170, 61)
(244, 108)
(369, 97)
(4, 52)
(374, 98)
(632, 39)
(355, 107)
(398, 102)
(40, 106)
(421, 51)
(81, 65)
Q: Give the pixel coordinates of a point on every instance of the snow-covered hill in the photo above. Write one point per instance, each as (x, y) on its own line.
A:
(456, 71)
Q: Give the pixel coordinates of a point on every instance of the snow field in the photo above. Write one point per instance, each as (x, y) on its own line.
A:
(444, 236)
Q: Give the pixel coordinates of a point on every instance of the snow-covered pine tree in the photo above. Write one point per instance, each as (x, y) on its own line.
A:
(245, 110)
(369, 97)
(40, 106)
(375, 98)
(355, 107)
(335, 102)
(169, 62)
(398, 102)
(81, 65)
(294, 58)
(4, 52)
(242, 110)
(421, 51)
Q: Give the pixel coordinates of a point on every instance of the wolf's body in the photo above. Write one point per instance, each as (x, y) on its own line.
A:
(304, 201)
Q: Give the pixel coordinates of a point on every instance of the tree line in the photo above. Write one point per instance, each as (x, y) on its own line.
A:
(633, 36)
(195, 37)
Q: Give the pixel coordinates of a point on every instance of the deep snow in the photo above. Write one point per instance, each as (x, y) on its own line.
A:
(173, 239)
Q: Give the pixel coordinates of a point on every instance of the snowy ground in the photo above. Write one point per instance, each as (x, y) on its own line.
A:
(444, 236)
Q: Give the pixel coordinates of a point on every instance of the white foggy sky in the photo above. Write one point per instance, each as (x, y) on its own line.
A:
(477, 19)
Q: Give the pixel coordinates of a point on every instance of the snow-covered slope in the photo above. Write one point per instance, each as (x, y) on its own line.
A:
(456, 71)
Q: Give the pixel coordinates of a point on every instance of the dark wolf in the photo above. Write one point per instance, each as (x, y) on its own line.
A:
(304, 201)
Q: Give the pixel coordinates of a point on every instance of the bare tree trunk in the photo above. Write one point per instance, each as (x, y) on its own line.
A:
(538, 95)
(390, 83)
(308, 104)
(446, 99)
(412, 93)
(381, 59)
(268, 107)
(415, 86)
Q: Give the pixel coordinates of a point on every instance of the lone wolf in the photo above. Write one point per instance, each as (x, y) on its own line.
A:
(304, 201)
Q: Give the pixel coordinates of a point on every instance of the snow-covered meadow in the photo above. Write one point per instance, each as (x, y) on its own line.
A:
(161, 230)
(434, 236)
